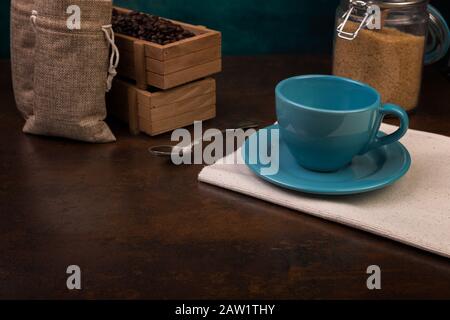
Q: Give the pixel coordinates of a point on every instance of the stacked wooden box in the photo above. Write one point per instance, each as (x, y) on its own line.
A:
(163, 111)
(164, 87)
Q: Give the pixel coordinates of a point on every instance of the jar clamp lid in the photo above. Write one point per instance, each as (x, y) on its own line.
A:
(355, 6)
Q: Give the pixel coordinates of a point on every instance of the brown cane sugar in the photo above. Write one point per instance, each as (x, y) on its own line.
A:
(388, 59)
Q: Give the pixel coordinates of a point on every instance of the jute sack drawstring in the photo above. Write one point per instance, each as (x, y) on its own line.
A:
(115, 55)
(33, 18)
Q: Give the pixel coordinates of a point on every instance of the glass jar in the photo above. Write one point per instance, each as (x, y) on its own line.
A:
(384, 44)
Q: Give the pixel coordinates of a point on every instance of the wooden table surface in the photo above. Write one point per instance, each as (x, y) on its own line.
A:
(140, 227)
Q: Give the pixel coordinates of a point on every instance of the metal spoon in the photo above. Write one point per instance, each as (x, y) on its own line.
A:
(167, 151)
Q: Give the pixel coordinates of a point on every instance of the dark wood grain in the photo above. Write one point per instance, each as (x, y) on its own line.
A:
(142, 228)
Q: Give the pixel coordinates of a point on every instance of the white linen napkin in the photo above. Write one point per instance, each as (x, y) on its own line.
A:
(414, 211)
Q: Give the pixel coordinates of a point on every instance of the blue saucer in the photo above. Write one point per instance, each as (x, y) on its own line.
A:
(375, 170)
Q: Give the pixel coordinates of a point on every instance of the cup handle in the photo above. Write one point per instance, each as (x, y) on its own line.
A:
(390, 109)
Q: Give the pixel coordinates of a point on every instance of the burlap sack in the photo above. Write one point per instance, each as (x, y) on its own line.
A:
(71, 70)
(22, 55)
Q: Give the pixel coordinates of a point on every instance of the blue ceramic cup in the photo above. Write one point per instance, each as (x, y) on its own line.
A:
(326, 121)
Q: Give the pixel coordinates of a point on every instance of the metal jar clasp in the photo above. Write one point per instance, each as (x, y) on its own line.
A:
(354, 5)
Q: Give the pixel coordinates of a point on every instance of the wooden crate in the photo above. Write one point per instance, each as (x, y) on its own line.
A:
(162, 111)
(171, 65)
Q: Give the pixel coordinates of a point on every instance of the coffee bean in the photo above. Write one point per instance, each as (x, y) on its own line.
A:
(149, 27)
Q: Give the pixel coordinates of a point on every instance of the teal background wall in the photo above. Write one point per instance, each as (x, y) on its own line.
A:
(248, 26)
(254, 26)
